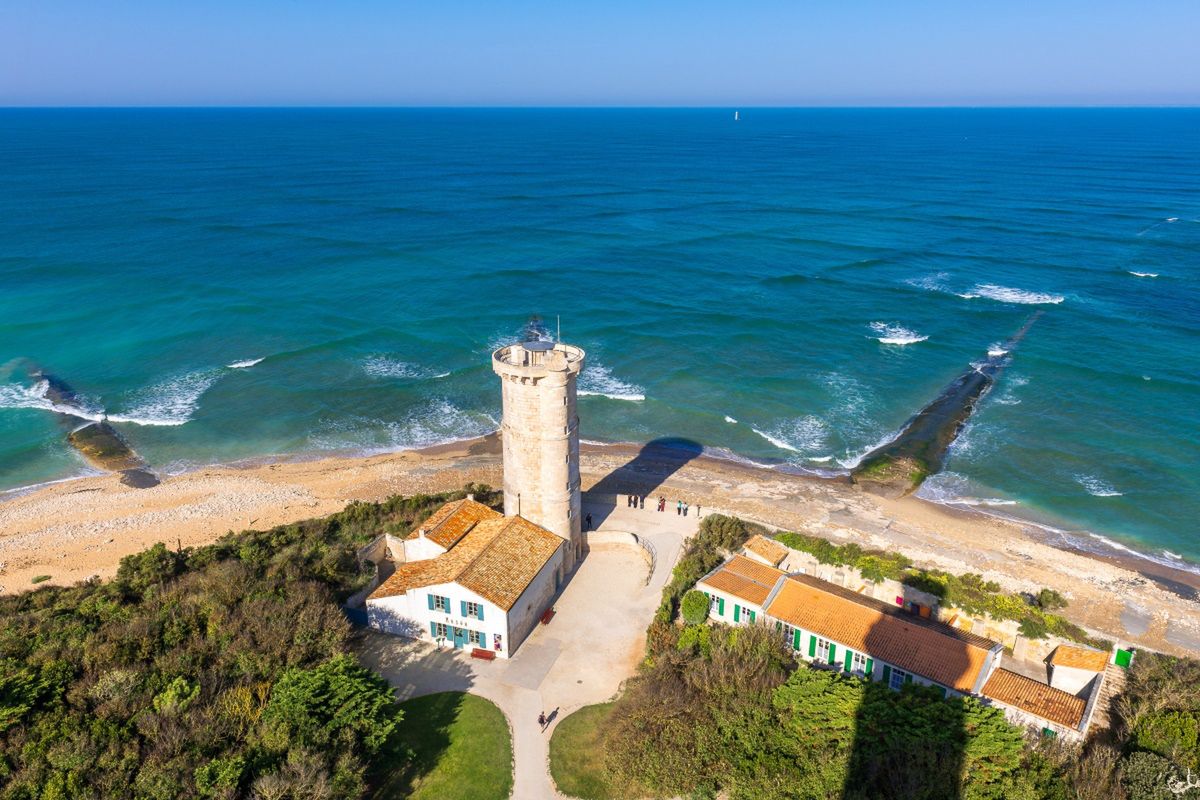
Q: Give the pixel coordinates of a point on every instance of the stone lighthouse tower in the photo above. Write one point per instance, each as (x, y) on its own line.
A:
(540, 433)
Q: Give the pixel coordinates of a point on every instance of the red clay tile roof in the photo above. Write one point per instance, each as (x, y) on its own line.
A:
(497, 558)
(1066, 655)
(451, 522)
(924, 647)
(1035, 697)
(769, 549)
(743, 578)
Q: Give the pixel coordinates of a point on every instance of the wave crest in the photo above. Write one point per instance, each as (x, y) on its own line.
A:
(597, 380)
(1097, 487)
(891, 333)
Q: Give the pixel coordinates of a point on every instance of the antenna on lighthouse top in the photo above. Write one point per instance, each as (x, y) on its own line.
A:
(558, 337)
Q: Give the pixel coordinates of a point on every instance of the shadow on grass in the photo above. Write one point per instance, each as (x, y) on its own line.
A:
(577, 757)
(449, 745)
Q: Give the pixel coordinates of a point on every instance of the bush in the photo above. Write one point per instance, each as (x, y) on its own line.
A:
(1050, 600)
(717, 536)
(1145, 775)
(694, 607)
(1172, 734)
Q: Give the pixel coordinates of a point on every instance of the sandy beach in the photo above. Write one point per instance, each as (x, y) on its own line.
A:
(76, 529)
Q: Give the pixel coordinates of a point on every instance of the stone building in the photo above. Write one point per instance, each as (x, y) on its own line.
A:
(471, 577)
(540, 436)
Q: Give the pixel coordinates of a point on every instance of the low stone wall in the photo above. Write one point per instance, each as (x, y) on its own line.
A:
(631, 539)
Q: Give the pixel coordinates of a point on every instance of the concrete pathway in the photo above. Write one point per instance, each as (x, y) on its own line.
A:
(595, 641)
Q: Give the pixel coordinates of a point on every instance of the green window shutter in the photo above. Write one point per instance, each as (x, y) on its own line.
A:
(751, 613)
(908, 678)
(720, 606)
(737, 612)
(778, 625)
(832, 653)
(796, 639)
(812, 647)
(887, 673)
(481, 612)
(848, 658)
(942, 689)
(870, 668)
(430, 598)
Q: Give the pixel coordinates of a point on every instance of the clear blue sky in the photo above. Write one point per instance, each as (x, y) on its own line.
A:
(607, 52)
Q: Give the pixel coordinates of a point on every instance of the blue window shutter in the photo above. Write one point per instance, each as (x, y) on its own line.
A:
(430, 597)
(433, 629)
(481, 612)
(463, 603)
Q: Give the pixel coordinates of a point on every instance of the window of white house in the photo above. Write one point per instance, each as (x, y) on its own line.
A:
(439, 630)
(476, 638)
(441, 603)
(823, 650)
(858, 663)
(898, 678)
(496, 642)
(474, 610)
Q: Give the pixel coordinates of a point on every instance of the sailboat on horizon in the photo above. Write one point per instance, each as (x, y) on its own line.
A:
(735, 116)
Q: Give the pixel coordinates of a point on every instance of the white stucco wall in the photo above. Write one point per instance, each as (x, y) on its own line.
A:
(525, 614)
(1071, 679)
(714, 609)
(419, 548)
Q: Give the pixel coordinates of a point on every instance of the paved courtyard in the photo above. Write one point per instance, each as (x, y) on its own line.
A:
(594, 642)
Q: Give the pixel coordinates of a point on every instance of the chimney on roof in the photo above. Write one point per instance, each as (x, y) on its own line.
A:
(420, 533)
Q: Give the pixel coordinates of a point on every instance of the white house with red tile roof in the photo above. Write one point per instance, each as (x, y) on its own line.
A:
(471, 578)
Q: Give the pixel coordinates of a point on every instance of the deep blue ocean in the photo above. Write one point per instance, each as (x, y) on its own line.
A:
(227, 284)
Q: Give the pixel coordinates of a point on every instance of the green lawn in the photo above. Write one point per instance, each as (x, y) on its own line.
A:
(461, 748)
(576, 757)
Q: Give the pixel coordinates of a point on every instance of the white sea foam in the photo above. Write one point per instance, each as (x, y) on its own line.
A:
(249, 362)
(820, 459)
(1172, 556)
(1096, 486)
(730, 420)
(598, 381)
(799, 435)
(382, 366)
(930, 283)
(1006, 294)
(169, 402)
(890, 333)
(1172, 219)
(168, 410)
(1143, 274)
(996, 350)
(436, 422)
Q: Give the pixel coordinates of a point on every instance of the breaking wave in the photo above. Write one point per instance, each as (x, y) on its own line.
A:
(170, 402)
(1143, 274)
(597, 380)
(896, 334)
(1006, 294)
(249, 362)
(436, 422)
(799, 435)
(730, 420)
(1096, 486)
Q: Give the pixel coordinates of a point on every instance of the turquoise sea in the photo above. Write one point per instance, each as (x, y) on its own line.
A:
(787, 288)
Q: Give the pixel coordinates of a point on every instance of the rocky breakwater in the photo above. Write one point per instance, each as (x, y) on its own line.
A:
(900, 466)
(95, 439)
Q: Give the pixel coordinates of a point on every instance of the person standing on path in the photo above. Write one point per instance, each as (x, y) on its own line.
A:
(697, 511)
(685, 509)
(542, 720)
(587, 521)
(679, 508)
(642, 502)
(662, 503)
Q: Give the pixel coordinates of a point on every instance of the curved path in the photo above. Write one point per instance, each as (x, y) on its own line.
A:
(594, 642)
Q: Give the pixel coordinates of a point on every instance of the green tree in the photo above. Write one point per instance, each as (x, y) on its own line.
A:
(694, 607)
(316, 707)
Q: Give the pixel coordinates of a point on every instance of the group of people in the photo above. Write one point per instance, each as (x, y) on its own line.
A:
(639, 501)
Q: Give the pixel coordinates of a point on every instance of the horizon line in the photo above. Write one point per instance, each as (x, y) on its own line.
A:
(598, 107)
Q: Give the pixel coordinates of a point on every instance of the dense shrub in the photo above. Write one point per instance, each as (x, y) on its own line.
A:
(694, 607)
(219, 671)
